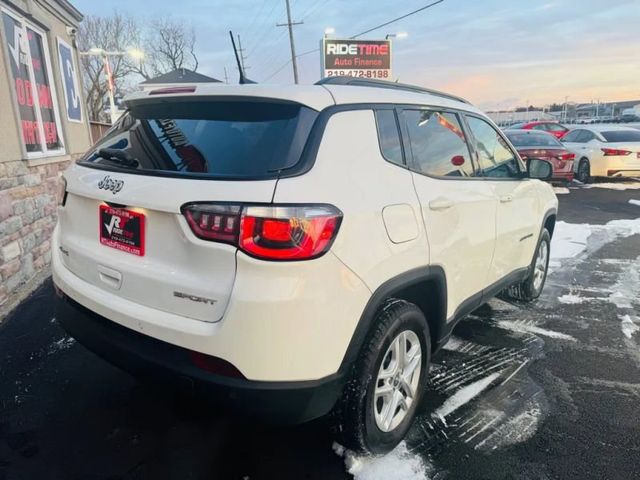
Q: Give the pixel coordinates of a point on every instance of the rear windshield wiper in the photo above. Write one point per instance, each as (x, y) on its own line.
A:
(119, 156)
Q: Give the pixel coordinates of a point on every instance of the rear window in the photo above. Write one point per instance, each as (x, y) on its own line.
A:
(221, 139)
(522, 139)
(622, 136)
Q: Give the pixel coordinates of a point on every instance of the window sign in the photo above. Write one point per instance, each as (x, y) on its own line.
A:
(70, 80)
(35, 96)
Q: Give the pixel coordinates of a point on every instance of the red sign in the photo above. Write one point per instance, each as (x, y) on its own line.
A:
(122, 229)
(32, 86)
(356, 58)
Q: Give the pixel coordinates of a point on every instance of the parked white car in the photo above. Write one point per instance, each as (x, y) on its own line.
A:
(297, 250)
(604, 151)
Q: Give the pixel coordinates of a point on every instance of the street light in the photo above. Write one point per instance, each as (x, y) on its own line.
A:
(329, 31)
(397, 35)
(135, 53)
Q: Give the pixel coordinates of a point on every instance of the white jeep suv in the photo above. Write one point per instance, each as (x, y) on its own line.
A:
(297, 250)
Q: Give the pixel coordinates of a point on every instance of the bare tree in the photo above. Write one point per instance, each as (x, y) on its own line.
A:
(115, 33)
(168, 45)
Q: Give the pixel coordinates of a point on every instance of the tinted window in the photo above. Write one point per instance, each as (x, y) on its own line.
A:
(622, 136)
(517, 125)
(522, 138)
(554, 127)
(389, 136)
(438, 143)
(214, 138)
(540, 126)
(572, 136)
(495, 158)
(586, 136)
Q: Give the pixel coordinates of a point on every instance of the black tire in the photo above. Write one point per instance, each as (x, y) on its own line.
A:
(584, 171)
(527, 291)
(354, 422)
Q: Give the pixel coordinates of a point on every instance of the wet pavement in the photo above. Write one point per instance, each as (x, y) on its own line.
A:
(550, 390)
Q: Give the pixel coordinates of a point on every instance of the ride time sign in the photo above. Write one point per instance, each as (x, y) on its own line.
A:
(356, 58)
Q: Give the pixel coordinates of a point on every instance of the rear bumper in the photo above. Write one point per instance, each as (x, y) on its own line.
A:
(623, 172)
(562, 176)
(147, 357)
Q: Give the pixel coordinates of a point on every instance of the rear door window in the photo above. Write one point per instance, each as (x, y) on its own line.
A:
(585, 136)
(438, 144)
(572, 136)
(389, 136)
(219, 139)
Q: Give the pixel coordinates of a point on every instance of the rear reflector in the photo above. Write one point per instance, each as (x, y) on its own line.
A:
(214, 365)
(608, 152)
(273, 232)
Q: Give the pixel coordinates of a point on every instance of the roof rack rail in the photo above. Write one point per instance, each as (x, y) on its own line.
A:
(362, 82)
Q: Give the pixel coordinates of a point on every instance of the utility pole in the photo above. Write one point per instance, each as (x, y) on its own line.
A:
(290, 25)
(242, 57)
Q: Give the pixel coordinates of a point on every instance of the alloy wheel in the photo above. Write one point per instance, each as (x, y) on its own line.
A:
(540, 267)
(397, 382)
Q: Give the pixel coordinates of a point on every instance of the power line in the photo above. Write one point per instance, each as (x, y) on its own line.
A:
(433, 4)
(253, 21)
(257, 41)
(399, 18)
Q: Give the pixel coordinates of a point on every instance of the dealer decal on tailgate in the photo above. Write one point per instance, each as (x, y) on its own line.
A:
(122, 229)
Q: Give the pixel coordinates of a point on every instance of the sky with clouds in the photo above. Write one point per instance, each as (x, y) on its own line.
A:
(497, 53)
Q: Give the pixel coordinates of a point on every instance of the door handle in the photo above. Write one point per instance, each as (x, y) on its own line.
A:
(506, 198)
(440, 203)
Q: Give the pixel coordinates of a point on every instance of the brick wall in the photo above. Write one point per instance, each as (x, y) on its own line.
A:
(28, 202)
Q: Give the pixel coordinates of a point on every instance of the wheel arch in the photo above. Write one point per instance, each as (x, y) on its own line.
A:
(426, 287)
(550, 222)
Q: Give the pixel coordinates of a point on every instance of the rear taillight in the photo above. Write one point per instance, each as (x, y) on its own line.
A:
(608, 152)
(216, 222)
(567, 156)
(271, 232)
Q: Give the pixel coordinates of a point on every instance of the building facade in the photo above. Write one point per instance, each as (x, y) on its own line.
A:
(43, 127)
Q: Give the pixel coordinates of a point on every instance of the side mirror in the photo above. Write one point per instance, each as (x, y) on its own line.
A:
(540, 169)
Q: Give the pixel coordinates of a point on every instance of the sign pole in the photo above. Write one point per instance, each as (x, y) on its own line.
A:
(112, 102)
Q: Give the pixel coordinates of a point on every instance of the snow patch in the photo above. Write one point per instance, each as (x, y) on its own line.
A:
(571, 299)
(454, 344)
(399, 464)
(569, 239)
(515, 430)
(615, 186)
(464, 395)
(626, 288)
(634, 202)
(560, 190)
(522, 327)
(629, 327)
(62, 344)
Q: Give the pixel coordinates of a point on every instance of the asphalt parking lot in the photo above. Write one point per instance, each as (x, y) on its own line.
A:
(546, 391)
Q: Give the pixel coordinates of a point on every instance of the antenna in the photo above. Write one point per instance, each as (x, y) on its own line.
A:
(243, 79)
